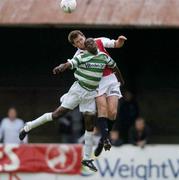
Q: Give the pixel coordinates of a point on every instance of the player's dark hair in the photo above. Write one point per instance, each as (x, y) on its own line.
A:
(73, 35)
(91, 46)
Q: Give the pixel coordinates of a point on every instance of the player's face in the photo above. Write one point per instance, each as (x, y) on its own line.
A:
(79, 42)
(91, 46)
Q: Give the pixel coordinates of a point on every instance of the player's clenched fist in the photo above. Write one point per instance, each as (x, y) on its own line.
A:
(61, 68)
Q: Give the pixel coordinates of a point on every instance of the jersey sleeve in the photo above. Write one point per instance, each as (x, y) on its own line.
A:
(107, 43)
(75, 61)
(110, 62)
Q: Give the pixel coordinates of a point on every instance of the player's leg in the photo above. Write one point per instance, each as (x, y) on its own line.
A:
(101, 103)
(113, 96)
(102, 108)
(88, 108)
(89, 126)
(110, 87)
(112, 102)
(47, 117)
(70, 101)
(88, 146)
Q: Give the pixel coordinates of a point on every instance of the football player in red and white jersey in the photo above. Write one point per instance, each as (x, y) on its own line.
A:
(108, 92)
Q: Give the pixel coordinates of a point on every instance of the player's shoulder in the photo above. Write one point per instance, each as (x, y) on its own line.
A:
(78, 52)
(102, 53)
(99, 38)
(85, 56)
(102, 39)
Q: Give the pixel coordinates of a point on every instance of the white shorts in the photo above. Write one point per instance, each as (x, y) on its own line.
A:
(79, 96)
(109, 86)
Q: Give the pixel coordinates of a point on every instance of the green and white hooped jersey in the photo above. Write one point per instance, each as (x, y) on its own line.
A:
(89, 68)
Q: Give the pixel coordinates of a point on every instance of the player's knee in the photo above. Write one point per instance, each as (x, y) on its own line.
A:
(89, 121)
(102, 108)
(59, 112)
(55, 115)
(90, 128)
(112, 114)
(102, 111)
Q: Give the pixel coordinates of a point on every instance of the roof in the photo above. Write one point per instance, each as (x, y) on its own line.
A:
(92, 12)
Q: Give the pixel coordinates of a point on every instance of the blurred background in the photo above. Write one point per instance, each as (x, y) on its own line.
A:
(33, 40)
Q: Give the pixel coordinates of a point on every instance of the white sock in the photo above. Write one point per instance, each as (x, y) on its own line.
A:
(38, 122)
(88, 147)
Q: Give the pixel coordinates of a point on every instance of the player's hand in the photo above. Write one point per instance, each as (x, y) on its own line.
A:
(59, 69)
(122, 38)
(120, 41)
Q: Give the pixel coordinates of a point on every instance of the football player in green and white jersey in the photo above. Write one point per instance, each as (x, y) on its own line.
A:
(89, 69)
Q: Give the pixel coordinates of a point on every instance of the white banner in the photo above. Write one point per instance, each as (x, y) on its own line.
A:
(128, 162)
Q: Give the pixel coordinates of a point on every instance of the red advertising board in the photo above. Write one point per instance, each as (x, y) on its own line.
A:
(54, 158)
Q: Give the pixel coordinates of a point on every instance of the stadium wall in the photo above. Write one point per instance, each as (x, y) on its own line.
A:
(91, 13)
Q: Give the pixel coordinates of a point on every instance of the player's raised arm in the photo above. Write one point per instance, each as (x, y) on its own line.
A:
(112, 43)
(70, 64)
(62, 68)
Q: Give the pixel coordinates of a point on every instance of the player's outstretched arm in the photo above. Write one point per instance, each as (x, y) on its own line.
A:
(111, 43)
(119, 42)
(61, 68)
